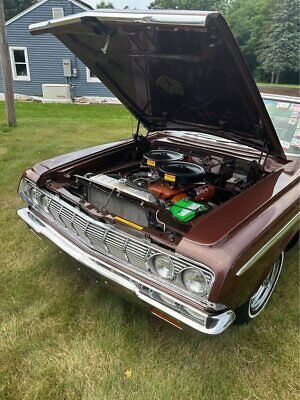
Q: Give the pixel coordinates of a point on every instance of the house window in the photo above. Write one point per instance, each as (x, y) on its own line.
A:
(19, 63)
(58, 12)
(90, 77)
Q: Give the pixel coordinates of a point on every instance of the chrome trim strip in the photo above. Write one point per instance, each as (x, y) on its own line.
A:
(213, 324)
(157, 17)
(268, 245)
(280, 97)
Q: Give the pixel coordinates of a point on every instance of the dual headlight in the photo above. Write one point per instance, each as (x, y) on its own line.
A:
(193, 279)
(32, 194)
(163, 266)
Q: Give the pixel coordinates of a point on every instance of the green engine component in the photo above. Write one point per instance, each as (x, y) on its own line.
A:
(185, 210)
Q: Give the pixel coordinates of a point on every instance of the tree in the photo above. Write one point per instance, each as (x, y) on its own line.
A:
(280, 48)
(14, 7)
(6, 71)
(206, 5)
(104, 4)
(247, 22)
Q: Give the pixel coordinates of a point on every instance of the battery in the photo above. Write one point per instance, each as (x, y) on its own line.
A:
(185, 210)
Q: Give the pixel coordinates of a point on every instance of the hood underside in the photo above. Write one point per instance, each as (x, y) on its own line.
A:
(172, 70)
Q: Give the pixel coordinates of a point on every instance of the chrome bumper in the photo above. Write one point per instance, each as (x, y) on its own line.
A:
(211, 323)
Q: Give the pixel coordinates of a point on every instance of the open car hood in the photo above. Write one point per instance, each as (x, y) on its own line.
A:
(173, 70)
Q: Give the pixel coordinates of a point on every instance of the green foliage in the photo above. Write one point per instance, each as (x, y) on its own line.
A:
(280, 45)
(14, 7)
(247, 21)
(104, 4)
(207, 5)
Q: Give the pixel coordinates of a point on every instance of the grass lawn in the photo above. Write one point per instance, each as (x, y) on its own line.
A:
(278, 85)
(62, 337)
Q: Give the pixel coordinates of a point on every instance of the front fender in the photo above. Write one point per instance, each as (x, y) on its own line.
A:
(40, 170)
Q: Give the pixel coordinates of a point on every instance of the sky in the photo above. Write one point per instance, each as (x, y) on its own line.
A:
(139, 4)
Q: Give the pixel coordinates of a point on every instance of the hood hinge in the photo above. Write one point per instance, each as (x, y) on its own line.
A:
(142, 142)
(137, 132)
(266, 151)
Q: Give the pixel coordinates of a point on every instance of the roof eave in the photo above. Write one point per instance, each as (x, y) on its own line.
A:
(79, 3)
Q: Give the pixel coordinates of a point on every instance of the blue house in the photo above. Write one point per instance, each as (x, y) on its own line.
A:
(40, 60)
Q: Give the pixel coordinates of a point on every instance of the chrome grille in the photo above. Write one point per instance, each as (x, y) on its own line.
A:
(137, 254)
(55, 209)
(67, 217)
(115, 243)
(95, 235)
(80, 226)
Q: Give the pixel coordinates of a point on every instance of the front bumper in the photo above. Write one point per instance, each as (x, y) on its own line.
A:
(210, 323)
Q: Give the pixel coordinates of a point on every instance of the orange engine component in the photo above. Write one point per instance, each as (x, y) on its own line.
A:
(179, 197)
(163, 191)
(204, 193)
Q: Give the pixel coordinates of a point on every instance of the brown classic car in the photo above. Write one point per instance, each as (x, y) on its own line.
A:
(192, 215)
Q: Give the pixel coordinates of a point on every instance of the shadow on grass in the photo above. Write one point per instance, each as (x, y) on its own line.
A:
(4, 128)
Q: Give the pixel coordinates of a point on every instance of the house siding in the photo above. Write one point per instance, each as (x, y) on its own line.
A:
(46, 54)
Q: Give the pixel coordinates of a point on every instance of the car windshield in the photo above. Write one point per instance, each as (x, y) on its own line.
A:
(285, 117)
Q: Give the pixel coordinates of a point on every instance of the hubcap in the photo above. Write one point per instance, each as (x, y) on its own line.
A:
(259, 300)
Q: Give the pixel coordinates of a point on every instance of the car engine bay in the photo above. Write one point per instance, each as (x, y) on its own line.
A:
(158, 190)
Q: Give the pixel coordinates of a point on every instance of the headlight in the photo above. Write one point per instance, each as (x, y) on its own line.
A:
(163, 266)
(34, 196)
(195, 281)
(24, 188)
(44, 203)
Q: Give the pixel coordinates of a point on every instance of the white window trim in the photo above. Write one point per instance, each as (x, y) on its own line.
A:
(90, 78)
(13, 64)
(38, 4)
(60, 9)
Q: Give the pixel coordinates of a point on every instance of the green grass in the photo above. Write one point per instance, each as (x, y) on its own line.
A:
(283, 85)
(62, 337)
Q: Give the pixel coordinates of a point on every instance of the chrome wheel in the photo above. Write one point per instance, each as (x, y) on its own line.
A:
(259, 300)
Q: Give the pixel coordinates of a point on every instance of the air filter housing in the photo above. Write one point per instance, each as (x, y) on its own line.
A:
(156, 158)
(182, 173)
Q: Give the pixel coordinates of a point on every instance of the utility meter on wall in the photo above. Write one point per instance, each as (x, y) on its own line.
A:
(67, 68)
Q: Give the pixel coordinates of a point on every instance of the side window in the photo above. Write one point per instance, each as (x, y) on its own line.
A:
(19, 63)
(58, 12)
(90, 77)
